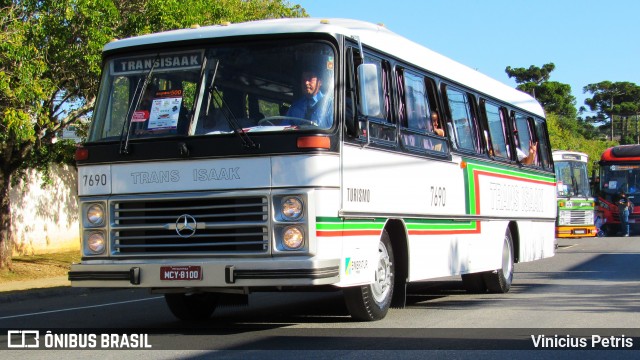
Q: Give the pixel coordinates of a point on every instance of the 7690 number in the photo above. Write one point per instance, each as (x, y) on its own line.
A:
(94, 180)
(438, 196)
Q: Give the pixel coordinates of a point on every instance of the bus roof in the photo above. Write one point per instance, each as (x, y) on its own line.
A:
(376, 36)
(622, 153)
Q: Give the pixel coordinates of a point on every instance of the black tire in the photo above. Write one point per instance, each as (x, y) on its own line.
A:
(499, 281)
(371, 302)
(474, 283)
(192, 307)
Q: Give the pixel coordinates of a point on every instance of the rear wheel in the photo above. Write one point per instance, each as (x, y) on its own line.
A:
(191, 307)
(499, 281)
(371, 302)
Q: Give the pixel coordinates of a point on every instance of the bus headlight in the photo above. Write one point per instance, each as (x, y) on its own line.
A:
(291, 208)
(95, 214)
(292, 238)
(96, 243)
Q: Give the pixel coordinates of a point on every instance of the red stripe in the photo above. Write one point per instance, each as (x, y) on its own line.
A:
(445, 232)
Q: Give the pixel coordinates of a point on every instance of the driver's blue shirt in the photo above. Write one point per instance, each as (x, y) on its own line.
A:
(318, 109)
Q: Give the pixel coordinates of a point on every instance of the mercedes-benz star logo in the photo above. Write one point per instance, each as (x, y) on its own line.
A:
(186, 226)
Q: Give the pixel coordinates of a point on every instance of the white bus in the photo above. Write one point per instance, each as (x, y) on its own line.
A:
(296, 153)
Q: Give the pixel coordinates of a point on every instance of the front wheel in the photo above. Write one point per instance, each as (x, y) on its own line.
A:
(371, 302)
(192, 307)
(499, 281)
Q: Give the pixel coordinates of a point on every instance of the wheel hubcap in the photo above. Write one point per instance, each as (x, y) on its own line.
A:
(382, 284)
(507, 265)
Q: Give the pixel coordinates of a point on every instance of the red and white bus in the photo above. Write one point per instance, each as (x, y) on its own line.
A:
(619, 172)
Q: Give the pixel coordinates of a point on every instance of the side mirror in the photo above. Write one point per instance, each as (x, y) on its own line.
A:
(368, 86)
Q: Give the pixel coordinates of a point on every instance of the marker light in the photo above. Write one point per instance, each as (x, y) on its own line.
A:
(82, 153)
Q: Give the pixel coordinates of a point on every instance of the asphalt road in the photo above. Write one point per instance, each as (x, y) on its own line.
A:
(590, 288)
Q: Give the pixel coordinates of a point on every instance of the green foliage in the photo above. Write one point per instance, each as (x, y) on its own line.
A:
(533, 74)
(563, 136)
(555, 97)
(611, 99)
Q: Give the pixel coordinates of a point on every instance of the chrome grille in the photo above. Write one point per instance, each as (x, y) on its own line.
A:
(581, 217)
(237, 225)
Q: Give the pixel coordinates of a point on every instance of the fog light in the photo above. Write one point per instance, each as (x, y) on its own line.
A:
(96, 243)
(293, 238)
(95, 214)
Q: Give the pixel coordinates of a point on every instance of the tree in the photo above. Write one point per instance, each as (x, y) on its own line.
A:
(555, 97)
(50, 58)
(614, 98)
(530, 78)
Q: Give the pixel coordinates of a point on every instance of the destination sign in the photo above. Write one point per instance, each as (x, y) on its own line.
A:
(137, 64)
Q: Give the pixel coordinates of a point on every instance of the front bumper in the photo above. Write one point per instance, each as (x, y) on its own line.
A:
(214, 273)
(575, 231)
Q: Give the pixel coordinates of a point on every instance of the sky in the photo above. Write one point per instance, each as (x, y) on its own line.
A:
(589, 41)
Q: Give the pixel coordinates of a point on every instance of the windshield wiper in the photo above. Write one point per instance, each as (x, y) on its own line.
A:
(137, 97)
(226, 111)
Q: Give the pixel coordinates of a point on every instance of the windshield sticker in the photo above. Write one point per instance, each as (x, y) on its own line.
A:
(162, 62)
(140, 116)
(165, 111)
(613, 184)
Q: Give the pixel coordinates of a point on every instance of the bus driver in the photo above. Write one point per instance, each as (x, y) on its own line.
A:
(314, 105)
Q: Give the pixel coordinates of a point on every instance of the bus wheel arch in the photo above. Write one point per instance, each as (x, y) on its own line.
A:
(399, 241)
(515, 237)
(372, 302)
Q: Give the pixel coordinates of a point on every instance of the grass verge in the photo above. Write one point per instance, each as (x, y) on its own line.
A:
(30, 267)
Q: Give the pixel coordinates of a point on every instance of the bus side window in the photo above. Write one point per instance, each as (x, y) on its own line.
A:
(494, 115)
(462, 119)
(542, 136)
(381, 125)
(524, 136)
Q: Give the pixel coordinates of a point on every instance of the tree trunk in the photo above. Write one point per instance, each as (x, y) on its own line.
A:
(6, 235)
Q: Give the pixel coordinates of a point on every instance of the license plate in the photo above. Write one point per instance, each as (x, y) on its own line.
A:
(580, 232)
(180, 273)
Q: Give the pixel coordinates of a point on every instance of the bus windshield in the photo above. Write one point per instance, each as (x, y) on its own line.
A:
(572, 178)
(267, 86)
(620, 178)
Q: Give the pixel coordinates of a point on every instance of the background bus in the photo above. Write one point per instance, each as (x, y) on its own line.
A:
(199, 181)
(619, 172)
(575, 204)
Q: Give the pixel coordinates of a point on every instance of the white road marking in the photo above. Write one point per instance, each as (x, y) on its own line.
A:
(79, 308)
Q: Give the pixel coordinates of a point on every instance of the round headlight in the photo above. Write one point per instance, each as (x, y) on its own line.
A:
(291, 208)
(293, 238)
(96, 243)
(95, 214)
